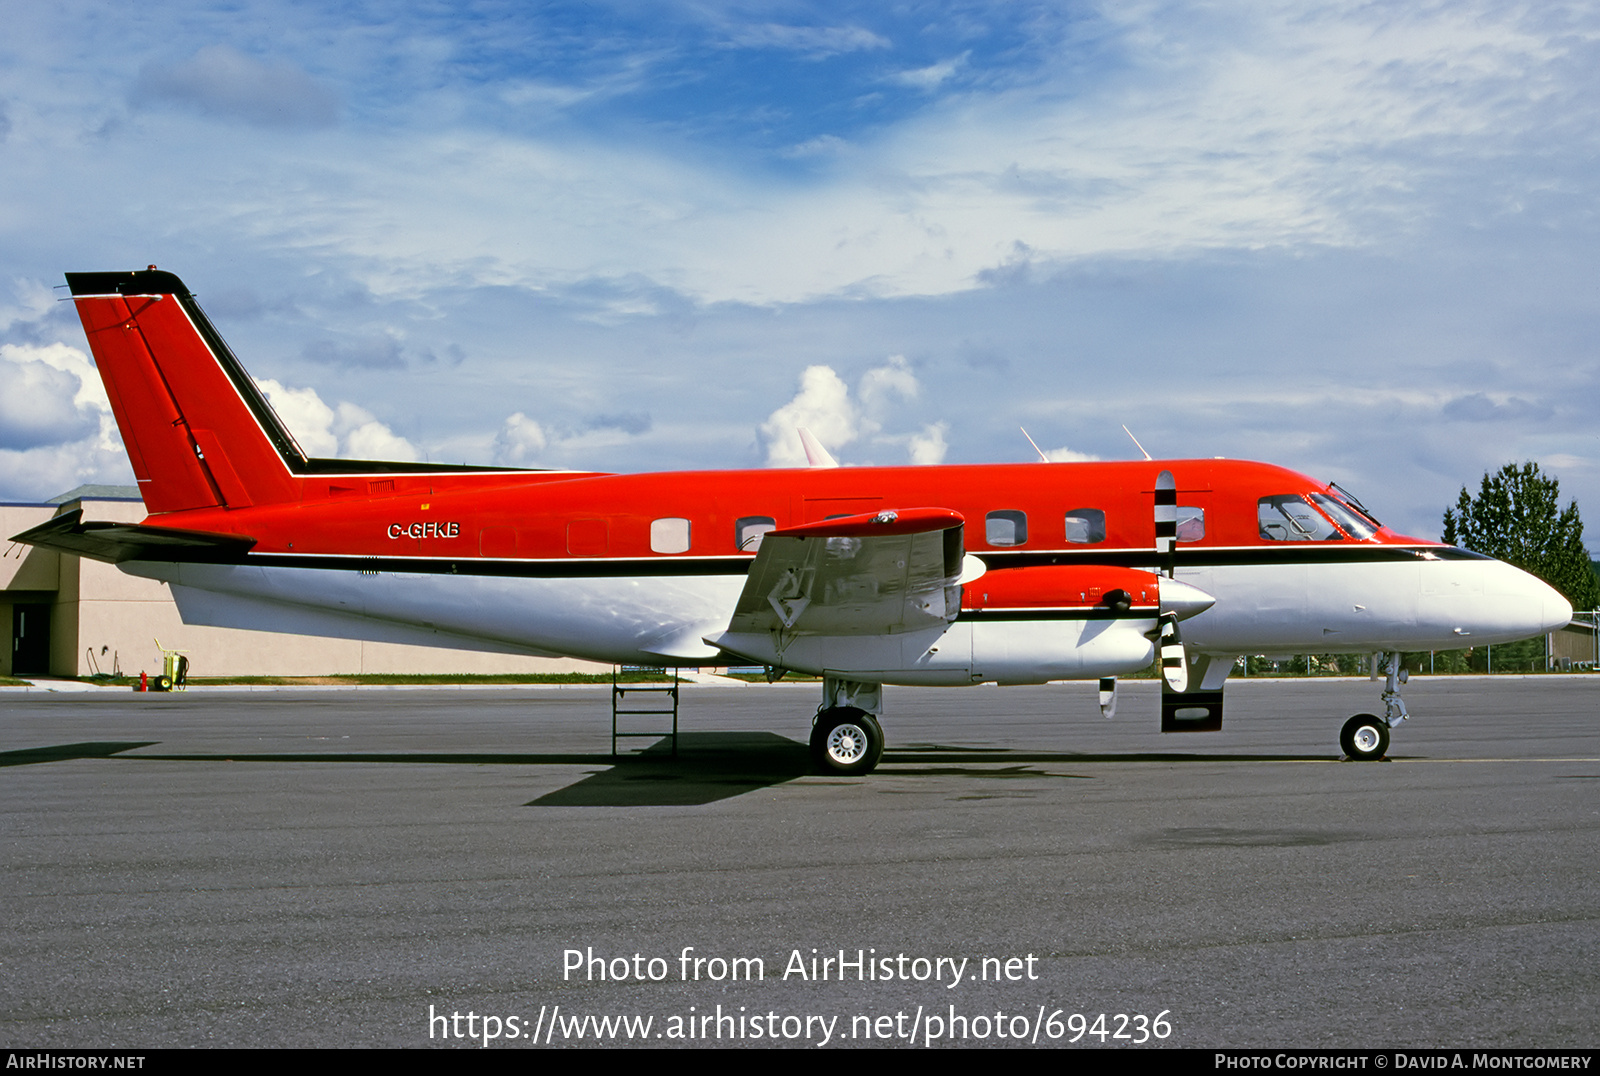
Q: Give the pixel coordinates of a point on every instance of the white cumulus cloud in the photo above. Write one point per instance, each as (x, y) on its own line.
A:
(519, 442)
(344, 431)
(1068, 455)
(824, 405)
(56, 426)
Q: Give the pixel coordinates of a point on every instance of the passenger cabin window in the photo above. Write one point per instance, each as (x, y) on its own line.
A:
(1288, 518)
(1086, 526)
(1191, 524)
(669, 535)
(1007, 527)
(748, 530)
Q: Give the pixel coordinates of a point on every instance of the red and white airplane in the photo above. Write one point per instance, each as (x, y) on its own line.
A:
(864, 576)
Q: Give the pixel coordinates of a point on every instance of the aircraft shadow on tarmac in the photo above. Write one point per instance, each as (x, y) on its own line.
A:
(709, 766)
(68, 751)
(715, 766)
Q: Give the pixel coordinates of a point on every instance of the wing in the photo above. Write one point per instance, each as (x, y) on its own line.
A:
(880, 574)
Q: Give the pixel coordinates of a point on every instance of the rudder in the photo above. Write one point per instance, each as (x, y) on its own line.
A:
(198, 431)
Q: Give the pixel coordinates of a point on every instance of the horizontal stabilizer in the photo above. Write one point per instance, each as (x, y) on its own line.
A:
(118, 542)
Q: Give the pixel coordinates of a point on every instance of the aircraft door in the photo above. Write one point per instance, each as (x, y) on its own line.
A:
(30, 639)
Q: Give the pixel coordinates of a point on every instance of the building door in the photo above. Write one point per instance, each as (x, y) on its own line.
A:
(30, 639)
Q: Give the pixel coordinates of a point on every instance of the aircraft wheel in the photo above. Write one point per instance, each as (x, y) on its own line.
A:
(1364, 738)
(846, 741)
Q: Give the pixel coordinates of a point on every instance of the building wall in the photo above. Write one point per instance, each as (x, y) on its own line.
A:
(1574, 644)
(27, 574)
(103, 619)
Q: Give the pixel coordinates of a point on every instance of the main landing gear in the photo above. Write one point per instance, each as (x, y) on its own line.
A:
(1365, 737)
(846, 739)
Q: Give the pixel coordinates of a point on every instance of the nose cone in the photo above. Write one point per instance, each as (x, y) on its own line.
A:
(1557, 610)
(1184, 599)
(1518, 605)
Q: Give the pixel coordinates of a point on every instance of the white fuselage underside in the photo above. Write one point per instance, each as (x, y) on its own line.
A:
(663, 620)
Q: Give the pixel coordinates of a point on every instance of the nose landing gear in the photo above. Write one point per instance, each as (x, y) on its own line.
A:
(1365, 737)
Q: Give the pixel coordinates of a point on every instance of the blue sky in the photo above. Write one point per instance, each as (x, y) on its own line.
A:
(1354, 239)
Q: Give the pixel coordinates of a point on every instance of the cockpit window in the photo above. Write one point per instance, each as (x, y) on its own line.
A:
(1288, 518)
(1356, 524)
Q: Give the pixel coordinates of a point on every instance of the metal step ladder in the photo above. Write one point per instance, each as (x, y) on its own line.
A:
(650, 706)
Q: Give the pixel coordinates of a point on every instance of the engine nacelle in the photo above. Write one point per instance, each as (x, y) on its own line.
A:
(1016, 626)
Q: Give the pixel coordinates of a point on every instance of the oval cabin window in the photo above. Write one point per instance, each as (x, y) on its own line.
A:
(1006, 527)
(669, 535)
(748, 530)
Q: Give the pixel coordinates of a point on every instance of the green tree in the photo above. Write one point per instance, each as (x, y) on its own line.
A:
(1517, 518)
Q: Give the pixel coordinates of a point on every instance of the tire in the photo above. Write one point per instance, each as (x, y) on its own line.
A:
(1365, 738)
(846, 742)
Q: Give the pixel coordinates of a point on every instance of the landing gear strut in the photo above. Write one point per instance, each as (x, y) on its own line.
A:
(1365, 737)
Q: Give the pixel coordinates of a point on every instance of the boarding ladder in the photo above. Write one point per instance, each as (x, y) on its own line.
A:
(655, 695)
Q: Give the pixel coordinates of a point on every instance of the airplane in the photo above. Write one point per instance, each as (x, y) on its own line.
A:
(863, 576)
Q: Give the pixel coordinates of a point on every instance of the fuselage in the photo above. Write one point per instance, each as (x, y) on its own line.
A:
(865, 576)
(643, 568)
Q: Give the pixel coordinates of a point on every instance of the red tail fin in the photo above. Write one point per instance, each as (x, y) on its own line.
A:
(198, 431)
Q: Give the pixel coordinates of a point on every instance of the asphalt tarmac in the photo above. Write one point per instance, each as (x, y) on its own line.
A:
(333, 867)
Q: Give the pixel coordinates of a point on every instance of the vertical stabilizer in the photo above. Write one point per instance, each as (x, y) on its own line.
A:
(198, 430)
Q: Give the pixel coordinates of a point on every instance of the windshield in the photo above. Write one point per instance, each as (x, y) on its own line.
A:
(1350, 500)
(1356, 524)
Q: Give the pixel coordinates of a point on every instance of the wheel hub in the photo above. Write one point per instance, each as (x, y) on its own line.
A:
(1367, 738)
(846, 744)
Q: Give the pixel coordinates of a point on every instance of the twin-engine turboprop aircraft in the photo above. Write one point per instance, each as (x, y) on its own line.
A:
(864, 576)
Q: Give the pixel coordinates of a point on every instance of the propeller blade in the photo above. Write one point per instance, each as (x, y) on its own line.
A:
(1108, 697)
(1166, 524)
(1174, 663)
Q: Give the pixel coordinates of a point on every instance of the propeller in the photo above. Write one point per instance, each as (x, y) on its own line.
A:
(1174, 663)
(1108, 697)
(1166, 524)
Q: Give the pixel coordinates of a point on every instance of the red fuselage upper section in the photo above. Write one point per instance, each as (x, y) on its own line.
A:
(1009, 509)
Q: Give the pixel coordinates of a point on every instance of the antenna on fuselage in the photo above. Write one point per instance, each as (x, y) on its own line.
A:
(1042, 457)
(1136, 443)
(816, 455)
